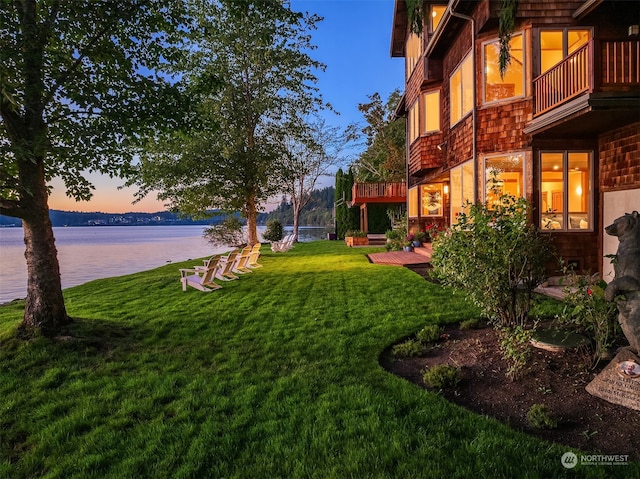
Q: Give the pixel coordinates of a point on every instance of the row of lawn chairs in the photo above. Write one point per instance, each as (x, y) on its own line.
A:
(221, 268)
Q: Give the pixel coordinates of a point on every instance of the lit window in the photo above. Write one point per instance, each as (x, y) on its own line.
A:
(512, 84)
(556, 45)
(565, 191)
(432, 200)
(461, 188)
(413, 52)
(413, 202)
(414, 122)
(437, 11)
(431, 102)
(503, 175)
(461, 87)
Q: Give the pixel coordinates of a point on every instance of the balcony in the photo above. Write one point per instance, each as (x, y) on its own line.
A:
(601, 76)
(384, 192)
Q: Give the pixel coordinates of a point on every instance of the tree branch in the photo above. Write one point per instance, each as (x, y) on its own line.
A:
(83, 52)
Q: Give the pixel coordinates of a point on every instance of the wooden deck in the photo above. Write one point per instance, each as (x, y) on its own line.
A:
(402, 258)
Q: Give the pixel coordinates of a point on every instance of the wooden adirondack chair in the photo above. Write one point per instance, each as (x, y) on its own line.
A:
(200, 278)
(240, 265)
(252, 262)
(225, 267)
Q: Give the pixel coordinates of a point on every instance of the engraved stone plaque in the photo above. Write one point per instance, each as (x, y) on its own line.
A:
(619, 382)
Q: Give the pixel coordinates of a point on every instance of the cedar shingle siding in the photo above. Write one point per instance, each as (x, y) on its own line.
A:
(605, 119)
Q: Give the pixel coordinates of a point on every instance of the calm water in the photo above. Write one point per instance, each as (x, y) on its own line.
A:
(87, 253)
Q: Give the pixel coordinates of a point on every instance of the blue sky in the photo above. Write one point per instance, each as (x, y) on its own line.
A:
(353, 41)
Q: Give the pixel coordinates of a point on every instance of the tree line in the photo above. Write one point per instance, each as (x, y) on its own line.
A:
(318, 212)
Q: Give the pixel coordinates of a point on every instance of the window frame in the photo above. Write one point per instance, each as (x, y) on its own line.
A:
(521, 154)
(469, 165)
(413, 123)
(432, 16)
(413, 52)
(460, 69)
(565, 192)
(413, 202)
(524, 71)
(565, 43)
(425, 112)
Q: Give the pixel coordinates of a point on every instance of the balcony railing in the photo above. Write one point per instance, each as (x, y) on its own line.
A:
(619, 67)
(379, 192)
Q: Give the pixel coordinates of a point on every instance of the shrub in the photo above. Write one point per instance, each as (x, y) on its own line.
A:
(515, 346)
(496, 256)
(355, 234)
(410, 348)
(538, 417)
(590, 314)
(473, 323)
(429, 333)
(441, 376)
(274, 231)
(228, 233)
(420, 236)
(393, 235)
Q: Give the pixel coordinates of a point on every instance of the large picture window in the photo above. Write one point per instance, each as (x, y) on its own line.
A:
(503, 175)
(432, 200)
(431, 103)
(498, 88)
(461, 90)
(566, 196)
(461, 188)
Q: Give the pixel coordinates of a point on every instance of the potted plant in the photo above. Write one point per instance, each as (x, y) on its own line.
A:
(408, 245)
(356, 238)
(419, 237)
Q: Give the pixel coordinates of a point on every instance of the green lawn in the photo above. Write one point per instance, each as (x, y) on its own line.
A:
(275, 375)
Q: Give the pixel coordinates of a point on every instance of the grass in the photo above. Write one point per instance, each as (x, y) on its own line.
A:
(274, 376)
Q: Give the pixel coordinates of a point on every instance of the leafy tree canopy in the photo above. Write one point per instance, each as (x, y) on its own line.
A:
(81, 82)
(251, 79)
(384, 138)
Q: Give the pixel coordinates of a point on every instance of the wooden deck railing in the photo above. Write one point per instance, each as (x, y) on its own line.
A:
(378, 191)
(620, 63)
(568, 79)
(619, 66)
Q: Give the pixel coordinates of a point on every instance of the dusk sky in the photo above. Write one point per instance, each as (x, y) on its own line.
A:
(353, 42)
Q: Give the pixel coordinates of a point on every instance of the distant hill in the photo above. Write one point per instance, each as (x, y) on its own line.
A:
(319, 211)
(77, 218)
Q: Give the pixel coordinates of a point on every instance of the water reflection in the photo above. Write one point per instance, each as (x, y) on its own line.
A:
(87, 253)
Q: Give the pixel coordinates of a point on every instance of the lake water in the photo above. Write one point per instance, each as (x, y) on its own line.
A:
(93, 252)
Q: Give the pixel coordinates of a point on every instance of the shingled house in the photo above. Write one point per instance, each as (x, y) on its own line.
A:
(561, 127)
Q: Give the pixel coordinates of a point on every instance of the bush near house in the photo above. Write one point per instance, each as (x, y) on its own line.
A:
(497, 256)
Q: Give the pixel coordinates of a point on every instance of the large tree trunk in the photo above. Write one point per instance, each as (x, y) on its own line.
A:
(252, 221)
(44, 309)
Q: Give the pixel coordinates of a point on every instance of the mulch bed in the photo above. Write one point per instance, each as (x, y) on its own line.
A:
(556, 379)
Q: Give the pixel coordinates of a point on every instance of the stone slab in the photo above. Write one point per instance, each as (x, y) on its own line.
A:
(619, 381)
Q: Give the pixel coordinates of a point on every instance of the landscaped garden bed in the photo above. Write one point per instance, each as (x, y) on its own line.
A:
(555, 379)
